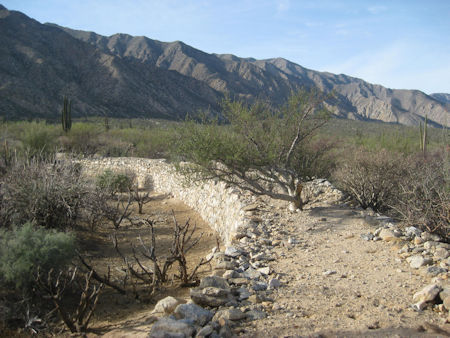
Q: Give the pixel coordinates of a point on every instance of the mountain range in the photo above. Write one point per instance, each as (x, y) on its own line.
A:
(128, 76)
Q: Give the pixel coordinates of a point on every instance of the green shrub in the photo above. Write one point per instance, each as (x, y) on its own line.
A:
(260, 150)
(113, 182)
(25, 248)
(113, 145)
(38, 139)
(83, 138)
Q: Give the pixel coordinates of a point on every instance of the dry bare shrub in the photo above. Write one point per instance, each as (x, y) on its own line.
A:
(141, 193)
(424, 194)
(56, 285)
(371, 178)
(46, 192)
(145, 269)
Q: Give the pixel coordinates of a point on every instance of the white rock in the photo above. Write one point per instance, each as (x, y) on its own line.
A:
(167, 327)
(412, 232)
(231, 251)
(265, 270)
(418, 261)
(166, 305)
(430, 244)
(428, 293)
(251, 273)
(328, 272)
(229, 274)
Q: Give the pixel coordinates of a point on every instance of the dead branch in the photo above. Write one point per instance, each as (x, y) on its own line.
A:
(119, 212)
(129, 266)
(55, 287)
(104, 280)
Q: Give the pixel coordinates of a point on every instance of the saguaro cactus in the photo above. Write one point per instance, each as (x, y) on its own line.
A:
(66, 116)
(423, 135)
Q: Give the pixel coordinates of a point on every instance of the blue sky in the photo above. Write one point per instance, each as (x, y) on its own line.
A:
(402, 44)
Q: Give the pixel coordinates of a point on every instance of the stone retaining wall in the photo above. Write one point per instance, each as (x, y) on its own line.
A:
(219, 205)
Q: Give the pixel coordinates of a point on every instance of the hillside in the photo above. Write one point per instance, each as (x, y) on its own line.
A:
(122, 75)
(39, 64)
(442, 97)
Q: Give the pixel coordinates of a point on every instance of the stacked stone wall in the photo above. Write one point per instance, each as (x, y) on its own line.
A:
(219, 205)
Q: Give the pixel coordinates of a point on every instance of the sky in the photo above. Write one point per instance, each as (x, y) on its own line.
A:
(402, 44)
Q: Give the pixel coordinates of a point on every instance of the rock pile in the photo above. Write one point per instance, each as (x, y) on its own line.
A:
(239, 288)
(320, 190)
(424, 252)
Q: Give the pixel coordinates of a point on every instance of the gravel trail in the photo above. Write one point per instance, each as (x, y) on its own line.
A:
(337, 284)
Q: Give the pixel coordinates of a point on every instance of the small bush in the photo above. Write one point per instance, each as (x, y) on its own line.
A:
(371, 178)
(43, 192)
(26, 248)
(424, 194)
(114, 183)
(83, 138)
(38, 139)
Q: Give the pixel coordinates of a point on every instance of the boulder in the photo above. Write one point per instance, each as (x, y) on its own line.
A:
(211, 296)
(171, 328)
(435, 270)
(214, 281)
(445, 296)
(205, 331)
(418, 261)
(265, 270)
(412, 232)
(230, 274)
(259, 286)
(225, 265)
(243, 293)
(167, 305)
(229, 314)
(251, 273)
(232, 251)
(198, 315)
(441, 253)
(426, 295)
(256, 314)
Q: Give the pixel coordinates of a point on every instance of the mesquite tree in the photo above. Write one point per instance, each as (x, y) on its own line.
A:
(259, 149)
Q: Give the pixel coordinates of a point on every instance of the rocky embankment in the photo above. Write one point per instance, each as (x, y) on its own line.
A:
(330, 270)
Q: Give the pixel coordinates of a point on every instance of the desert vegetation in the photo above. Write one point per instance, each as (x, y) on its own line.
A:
(46, 203)
(260, 149)
(48, 210)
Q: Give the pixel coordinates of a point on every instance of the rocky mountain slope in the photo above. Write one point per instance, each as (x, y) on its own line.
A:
(442, 97)
(39, 64)
(124, 75)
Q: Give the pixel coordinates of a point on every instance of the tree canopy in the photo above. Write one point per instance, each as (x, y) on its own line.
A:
(258, 148)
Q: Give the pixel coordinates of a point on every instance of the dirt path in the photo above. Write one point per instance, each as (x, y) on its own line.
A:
(123, 316)
(337, 284)
(334, 284)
